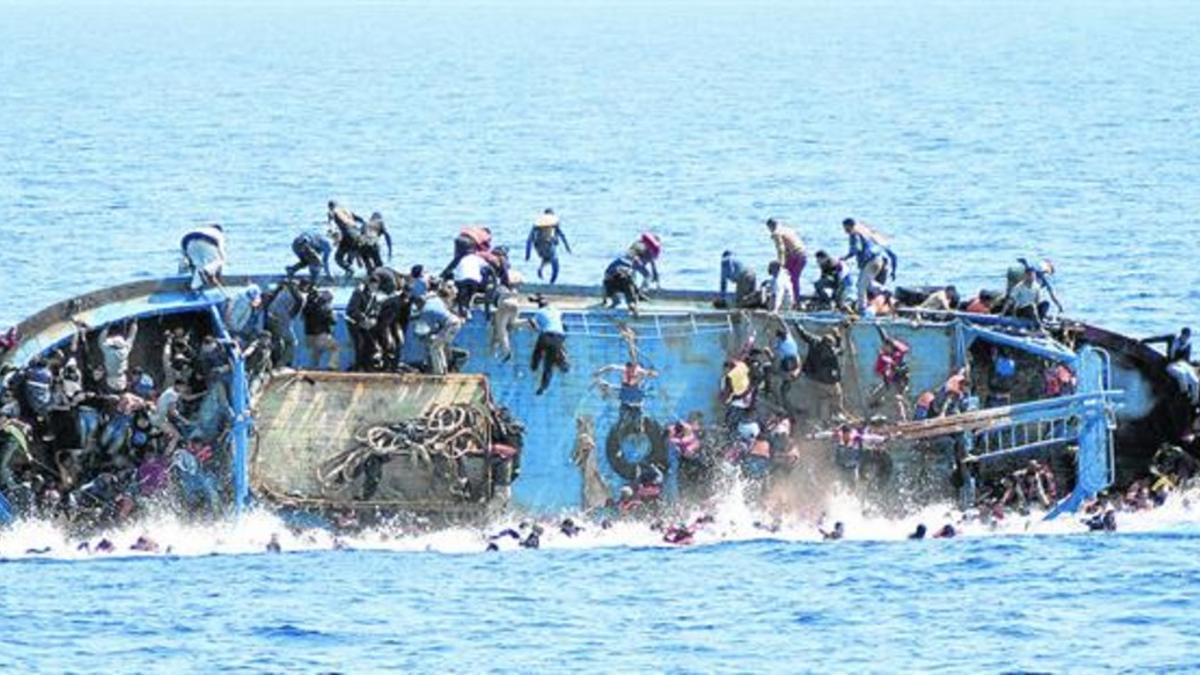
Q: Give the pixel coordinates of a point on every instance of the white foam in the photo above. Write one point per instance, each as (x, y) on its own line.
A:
(733, 519)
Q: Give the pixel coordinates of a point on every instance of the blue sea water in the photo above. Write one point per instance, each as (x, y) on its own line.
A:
(971, 132)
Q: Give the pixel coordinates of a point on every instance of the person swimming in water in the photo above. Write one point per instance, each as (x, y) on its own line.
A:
(918, 533)
(838, 532)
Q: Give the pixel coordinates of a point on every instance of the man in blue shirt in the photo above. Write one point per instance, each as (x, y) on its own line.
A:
(788, 351)
(550, 351)
(312, 251)
(744, 281)
(443, 326)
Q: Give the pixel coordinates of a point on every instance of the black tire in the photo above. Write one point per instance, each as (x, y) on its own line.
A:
(658, 448)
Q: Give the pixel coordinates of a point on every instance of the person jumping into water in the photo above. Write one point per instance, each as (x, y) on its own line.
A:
(544, 237)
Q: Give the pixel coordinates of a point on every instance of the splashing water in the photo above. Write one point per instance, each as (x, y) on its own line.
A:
(734, 518)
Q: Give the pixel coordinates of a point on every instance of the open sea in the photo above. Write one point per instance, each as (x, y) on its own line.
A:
(972, 133)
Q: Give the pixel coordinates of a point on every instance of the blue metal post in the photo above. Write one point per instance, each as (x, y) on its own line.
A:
(239, 399)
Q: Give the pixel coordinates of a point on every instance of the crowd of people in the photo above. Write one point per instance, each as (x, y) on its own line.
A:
(89, 438)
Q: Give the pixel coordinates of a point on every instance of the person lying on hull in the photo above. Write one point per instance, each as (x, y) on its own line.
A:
(744, 281)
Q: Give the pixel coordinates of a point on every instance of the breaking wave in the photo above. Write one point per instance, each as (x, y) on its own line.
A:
(730, 518)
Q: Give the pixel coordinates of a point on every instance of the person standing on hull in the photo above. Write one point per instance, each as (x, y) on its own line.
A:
(204, 251)
(312, 251)
(777, 294)
(471, 239)
(347, 225)
(319, 323)
(440, 326)
(550, 351)
(875, 260)
(789, 250)
(374, 232)
(362, 311)
(544, 238)
(287, 304)
(745, 294)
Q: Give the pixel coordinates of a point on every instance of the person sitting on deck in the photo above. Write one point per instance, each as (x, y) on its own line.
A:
(880, 302)
(835, 288)
(312, 251)
(1042, 276)
(345, 227)
(983, 303)
(550, 350)
(620, 281)
(789, 252)
(745, 283)
(204, 252)
(777, 294)
(544, 237)
(374, 233)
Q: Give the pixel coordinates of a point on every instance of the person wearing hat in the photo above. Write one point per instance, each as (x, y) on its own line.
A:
(312, 251)
(372, 232)
(319, 323)
(544, 237)
(346, 228)
(204, 252)
(550, 351)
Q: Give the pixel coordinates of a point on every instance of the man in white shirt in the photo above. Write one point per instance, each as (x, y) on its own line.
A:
(779, 295)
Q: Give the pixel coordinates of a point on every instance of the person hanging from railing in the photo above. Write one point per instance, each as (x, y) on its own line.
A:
(789, 252)
(544, 237)
(287, 303)
(951, 397)
(891, 365)
(822, 365)
(243, 313)
(876, 261)
(788, 351)
(319, 323)
(550, 350)
(631, 391)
